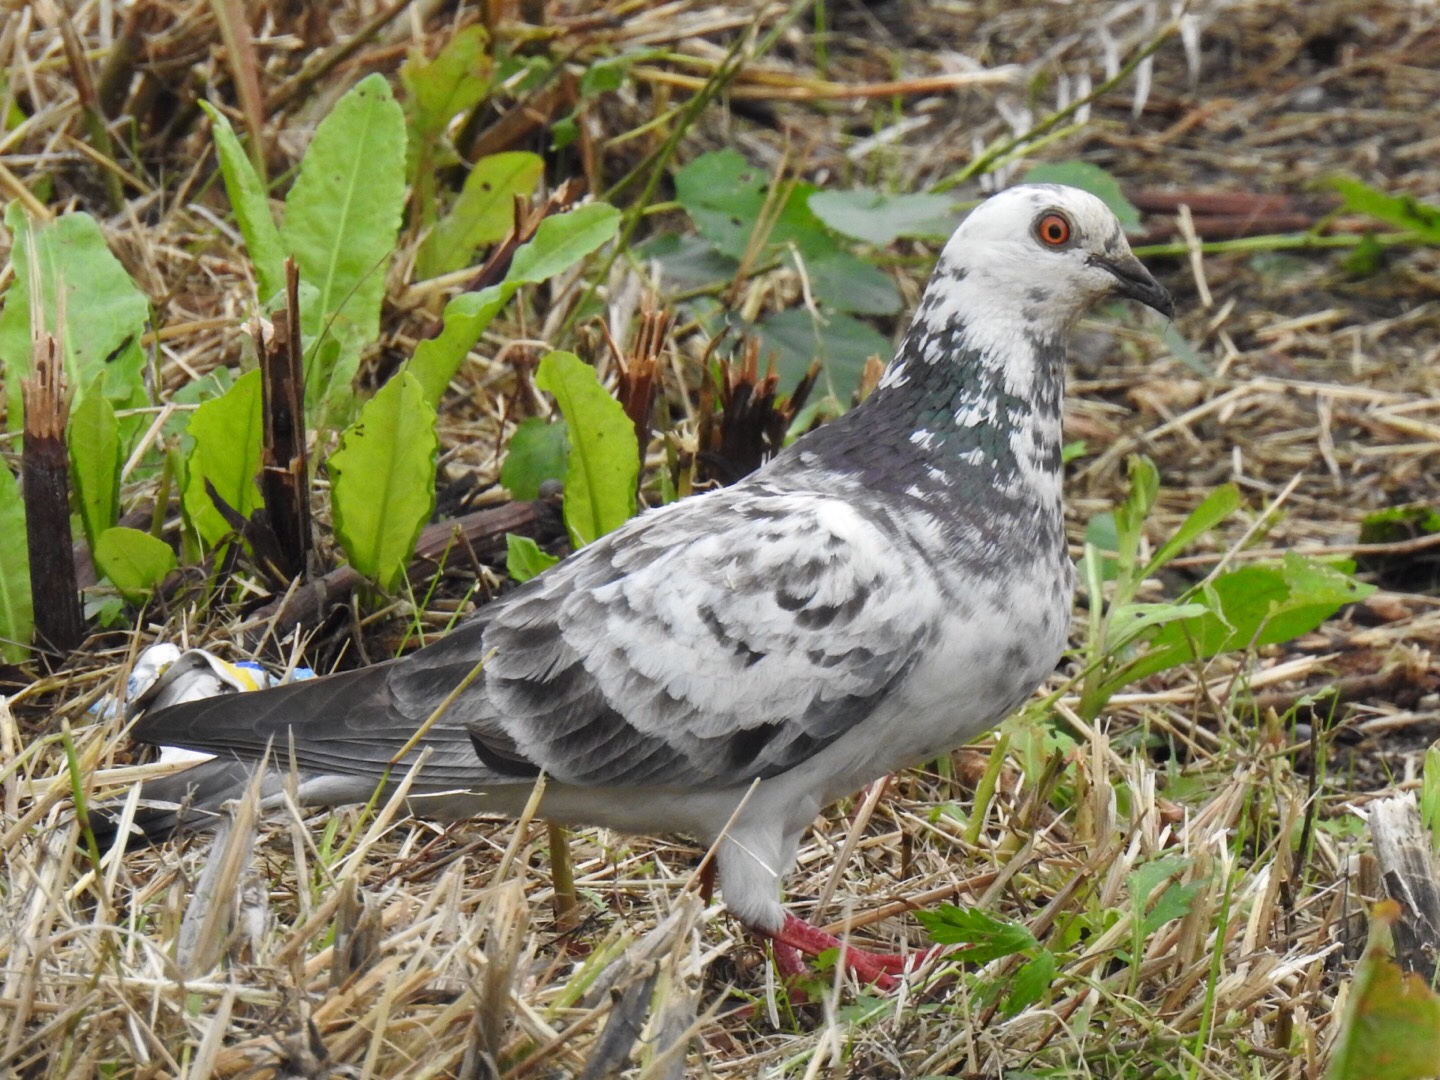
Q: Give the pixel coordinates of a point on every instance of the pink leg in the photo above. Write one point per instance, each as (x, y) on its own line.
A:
(797, 936)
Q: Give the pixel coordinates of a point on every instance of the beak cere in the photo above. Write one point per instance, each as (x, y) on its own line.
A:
(1134, 281)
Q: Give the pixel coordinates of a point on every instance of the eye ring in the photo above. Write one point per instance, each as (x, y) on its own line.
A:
(1053, 229)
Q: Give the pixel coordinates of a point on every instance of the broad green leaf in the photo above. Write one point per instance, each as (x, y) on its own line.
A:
(94, 440)
(1401, 211)
(989, 938)
(880, 219)
(1251, 607)
(1215, 508)
(436, 91)
(104, 312)
(382, 480)
(844, 283)
(17, 617)
(134, 561)
(251, 205)
(1102, 540)
(726, 196)
(604, 464)
(437, 359)
(483, 214)
(1030, 983)
(524, 558)
(341, 220)
(457, 79)
(1174, 903)
(1130, 621)
(688, 263)
(227, 433)
(840, 342)
(559, 243)
(1391, 1026)
(1091, 178)
(537, 452)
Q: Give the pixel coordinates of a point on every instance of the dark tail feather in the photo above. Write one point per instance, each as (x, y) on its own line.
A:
(184, 801)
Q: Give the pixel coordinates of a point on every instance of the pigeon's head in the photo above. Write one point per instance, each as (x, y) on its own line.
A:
(1051, 252)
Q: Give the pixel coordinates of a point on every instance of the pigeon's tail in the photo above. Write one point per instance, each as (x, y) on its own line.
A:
(342, 737)
(186, 800)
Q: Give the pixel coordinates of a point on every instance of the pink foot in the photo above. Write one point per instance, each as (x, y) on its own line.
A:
(798, 937)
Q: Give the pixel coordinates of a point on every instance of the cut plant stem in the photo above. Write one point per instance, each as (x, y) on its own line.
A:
(562, 874)
(45, 473)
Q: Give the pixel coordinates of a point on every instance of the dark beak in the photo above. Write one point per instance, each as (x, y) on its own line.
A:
(1134, 281)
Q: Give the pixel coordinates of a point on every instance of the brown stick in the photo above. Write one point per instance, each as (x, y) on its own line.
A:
(284, 475)
(45, 474)
(482, 530)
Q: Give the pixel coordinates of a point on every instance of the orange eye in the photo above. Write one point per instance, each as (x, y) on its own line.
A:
(1053, 229)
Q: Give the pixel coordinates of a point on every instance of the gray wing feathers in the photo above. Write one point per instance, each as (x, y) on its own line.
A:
(696, 649)
(707, 648)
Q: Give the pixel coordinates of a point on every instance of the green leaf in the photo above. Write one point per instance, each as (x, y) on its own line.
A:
(134, 561)
(1391, 1026)
(559, 243)
(845, 283)
(1401, 211)
(840, 342)
(104, 312)
(1215, 508)
(604, 464)
(227, 433)
(1180, 348)
(1030, 983)
(251, 204)
(537, 452)
(989, 938)
(1102, 540)
(1249, 608)
(17, 617)
(725, 196)
(524, 558)
(484, 213)
(341, 221)
(382, 480)
(1398, 523)
(94, 440)
(1130, 621)
(1130, 515)
(456, 80)
(1430, 795)
(437, 359)
(880, 219)
(1365, 258)
(1091, 178)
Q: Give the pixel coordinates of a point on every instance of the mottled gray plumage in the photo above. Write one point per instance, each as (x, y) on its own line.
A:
(883, 590)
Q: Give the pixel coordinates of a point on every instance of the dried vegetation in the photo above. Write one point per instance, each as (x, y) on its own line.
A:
(375, 945)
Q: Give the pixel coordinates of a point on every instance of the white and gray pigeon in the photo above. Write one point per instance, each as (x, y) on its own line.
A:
(883, 590)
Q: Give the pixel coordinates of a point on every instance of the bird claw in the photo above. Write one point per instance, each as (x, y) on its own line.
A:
(797, 939)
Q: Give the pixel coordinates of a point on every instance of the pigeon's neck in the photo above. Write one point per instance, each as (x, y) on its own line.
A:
(970, 403)
(977, 403)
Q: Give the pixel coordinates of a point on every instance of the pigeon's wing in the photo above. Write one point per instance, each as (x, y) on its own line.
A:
(722, 639)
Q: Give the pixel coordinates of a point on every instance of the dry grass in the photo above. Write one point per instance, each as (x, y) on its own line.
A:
(376, 945)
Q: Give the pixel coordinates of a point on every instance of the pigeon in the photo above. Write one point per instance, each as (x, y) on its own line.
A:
(882, 590)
